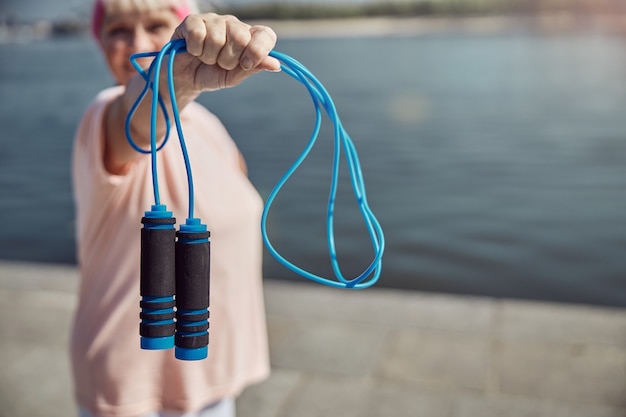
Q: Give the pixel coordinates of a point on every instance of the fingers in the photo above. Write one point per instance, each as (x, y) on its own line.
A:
(194, 31)
(227, 42)
(263, 40)
(238, 37)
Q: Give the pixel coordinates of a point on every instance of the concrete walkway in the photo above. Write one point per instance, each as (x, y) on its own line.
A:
(372, 353)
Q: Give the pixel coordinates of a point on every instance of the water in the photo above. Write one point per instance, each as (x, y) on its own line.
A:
(495, 163)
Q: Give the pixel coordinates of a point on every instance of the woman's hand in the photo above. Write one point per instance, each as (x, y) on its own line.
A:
(222, 51)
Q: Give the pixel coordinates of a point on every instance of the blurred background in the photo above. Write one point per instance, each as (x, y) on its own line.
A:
(493, 142)
(491, 133)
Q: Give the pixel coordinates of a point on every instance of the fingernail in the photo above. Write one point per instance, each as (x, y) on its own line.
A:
(246, 63)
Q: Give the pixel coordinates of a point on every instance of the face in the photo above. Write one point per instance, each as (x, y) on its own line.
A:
(124, 34)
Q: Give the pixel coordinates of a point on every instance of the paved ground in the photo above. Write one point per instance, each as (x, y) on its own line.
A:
(372, 353)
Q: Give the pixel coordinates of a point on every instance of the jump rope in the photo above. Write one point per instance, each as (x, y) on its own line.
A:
(175, 264)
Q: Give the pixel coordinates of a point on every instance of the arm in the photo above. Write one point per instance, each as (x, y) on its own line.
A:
(222, 52)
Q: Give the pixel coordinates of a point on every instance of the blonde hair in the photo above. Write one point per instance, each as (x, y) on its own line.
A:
(115, 6)
(104, 7)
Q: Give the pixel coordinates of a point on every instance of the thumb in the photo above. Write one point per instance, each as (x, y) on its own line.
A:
(271, 64)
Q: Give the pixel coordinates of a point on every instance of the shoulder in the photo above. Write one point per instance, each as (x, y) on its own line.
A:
(95, 110)
(211, 134)
(89, 139)
(200, 115)
(206, 124)
(107, 95)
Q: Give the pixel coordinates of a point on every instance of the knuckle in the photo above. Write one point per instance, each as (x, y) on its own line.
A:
(193, 28)
(267, 31)
(195, 34)
(216, 33)
(191, 21)
(270, 32)
(240, 36)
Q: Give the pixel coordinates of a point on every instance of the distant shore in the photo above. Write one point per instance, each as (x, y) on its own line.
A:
(415, 26)
(367, 26)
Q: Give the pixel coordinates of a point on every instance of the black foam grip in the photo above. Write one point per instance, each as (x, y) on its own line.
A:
(190, 318)
(192, 275)
(181, 327)
(161, 330)
(157, 306)
(191, 342)
(156, 317)
(157, 259)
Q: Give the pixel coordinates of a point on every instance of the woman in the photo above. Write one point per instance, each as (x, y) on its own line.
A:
(112, 188)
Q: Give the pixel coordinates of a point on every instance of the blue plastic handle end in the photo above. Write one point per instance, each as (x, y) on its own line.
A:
(158, 211)
(193, 225)
(157, 343)
(187, 354)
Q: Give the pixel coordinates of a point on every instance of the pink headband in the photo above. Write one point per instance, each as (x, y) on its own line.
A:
(181, 11)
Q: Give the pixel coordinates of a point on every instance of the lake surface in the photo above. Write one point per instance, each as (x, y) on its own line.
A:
(495, 163)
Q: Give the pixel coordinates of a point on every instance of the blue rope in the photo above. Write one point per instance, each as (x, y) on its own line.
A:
(152, 83)
(321, 101)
